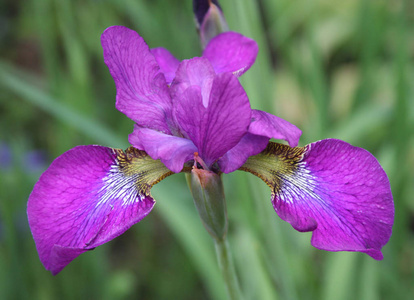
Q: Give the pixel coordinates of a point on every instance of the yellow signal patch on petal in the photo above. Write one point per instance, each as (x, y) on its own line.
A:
(138, 164)
(274, 164)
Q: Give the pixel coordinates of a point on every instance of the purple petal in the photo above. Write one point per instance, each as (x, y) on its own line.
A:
(249, 145)
(88, 196)
(171, 150)
(263, 126)
(194, 72)
(266, 124)
(167, 62)
(338, 191)
(142, 92)
(218, 127)
(231, 52)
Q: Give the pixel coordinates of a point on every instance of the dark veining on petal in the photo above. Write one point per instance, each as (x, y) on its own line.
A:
(274, 164)
(138, 164)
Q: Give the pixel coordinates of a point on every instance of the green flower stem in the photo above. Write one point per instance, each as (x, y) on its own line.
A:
(207, 190)
(225, 262)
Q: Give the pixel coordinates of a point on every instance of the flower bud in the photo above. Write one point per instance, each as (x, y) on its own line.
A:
(210, 19)
(208, 194)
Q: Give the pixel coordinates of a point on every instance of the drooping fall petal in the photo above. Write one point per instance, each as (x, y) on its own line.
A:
(142, 91)
(338, 191)
(88, 196)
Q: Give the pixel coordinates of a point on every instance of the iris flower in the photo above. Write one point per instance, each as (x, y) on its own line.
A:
(196, 113)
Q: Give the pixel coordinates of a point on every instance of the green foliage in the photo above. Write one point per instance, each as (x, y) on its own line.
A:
(336, 69)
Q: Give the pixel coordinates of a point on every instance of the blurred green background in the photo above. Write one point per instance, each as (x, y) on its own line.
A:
(336, 69)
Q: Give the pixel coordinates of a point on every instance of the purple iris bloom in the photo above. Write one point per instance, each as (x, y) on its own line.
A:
(197, 105)
(197, 111)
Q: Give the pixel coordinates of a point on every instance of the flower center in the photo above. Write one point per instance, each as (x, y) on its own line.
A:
(198, 160)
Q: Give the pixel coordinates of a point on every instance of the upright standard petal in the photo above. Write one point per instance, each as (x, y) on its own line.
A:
(194, 72)
(338, 191)
(142, 92)
(231, 52)
(167, 62)
(217, 128)
(173, 151)
(88, 196)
